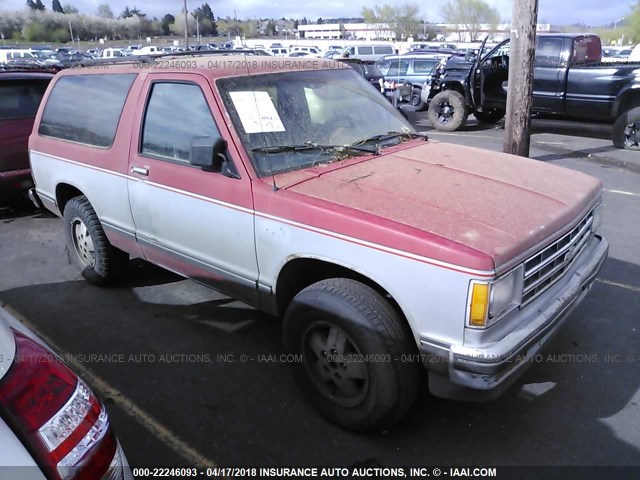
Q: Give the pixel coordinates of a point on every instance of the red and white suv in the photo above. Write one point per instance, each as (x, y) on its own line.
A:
(295, 187)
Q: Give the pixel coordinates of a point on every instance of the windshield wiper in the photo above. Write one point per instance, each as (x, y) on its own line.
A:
(387, 136)
(309, 146)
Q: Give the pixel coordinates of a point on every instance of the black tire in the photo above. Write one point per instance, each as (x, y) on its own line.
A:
(416, 99)
(626, 130)
(490, 116)
(448, 111)
(101, 262)
(380, 390)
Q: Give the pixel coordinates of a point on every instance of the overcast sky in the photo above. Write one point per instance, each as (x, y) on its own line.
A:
(590, 12)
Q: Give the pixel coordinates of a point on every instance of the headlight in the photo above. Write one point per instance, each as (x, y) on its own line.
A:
(490, 300)
(597, 217)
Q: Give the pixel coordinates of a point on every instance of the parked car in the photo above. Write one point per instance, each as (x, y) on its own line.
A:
(304, 193)
(625, 54)
(368, 51)
(302, 54)
(276, 45)
(332, 54)
(414, 70)
(278, 51)
(569, 81)
(368, 70)
(20, 95)
(16, 54)
(52, 426)
(310, 51)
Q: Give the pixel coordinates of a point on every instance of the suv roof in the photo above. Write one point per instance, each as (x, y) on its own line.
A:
(210, 64)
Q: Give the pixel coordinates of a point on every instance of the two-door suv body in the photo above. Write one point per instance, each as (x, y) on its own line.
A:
(295, 187)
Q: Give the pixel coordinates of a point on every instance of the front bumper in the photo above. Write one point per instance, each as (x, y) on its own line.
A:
(483, 372)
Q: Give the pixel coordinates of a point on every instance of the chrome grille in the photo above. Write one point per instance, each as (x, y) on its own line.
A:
(546, 267)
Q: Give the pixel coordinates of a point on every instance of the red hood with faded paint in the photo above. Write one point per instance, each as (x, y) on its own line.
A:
(497, 204)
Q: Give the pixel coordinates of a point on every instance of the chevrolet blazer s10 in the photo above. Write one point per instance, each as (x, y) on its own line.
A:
(306, 195)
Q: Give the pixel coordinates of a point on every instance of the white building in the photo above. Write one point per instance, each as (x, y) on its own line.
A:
(330, 31)
(463, 33)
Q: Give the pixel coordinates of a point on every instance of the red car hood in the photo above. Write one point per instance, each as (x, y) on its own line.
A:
(497, 204)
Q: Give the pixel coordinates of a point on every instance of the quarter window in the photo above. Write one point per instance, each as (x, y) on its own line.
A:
(176, 113)
(86, 108)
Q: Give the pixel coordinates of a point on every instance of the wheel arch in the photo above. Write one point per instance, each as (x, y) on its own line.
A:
(627, 99)
(64, 193)
(300, 272)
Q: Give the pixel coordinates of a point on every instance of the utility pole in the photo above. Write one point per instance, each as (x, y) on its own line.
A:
(186, 26)
(70, 32)
(519, 97)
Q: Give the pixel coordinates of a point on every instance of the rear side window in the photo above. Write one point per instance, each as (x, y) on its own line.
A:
(548, 52)
(587, 50)
(86, 108)
(176, 113)
(424, 66)
(385, 50)
(365, 50)
(20, 98)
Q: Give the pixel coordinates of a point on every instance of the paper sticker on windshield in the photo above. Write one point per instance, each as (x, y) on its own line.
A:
(257, 112)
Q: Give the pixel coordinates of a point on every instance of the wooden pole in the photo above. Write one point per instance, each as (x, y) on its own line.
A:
(186, 26)
(519, 96)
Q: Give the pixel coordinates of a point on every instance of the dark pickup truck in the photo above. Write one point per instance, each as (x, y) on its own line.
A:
(570, 81)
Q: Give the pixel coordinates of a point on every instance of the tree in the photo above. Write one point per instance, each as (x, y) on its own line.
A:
(56, 7)
(271, 28)
(36, 5)
(296, 24)
(166, 23)
(68, 8)
(470, 16)
(126, 13)
(104, 11)
(319, 21)
(632, 23)
(207, 20)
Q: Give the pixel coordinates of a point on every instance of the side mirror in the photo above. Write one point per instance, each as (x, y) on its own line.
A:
(208, 153)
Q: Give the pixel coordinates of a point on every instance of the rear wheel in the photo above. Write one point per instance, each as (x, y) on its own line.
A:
(101, 262)
(416, 99)
(448, 111)
(490, 116)
(357, 367)
(626, 130)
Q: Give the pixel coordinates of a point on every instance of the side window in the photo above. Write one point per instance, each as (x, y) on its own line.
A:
(365, 50)
(92, 121)
(398, 67)
(352, 50)
(548, 52)
(424, 66)
(384, 50)
(176, 113)
(20, 98)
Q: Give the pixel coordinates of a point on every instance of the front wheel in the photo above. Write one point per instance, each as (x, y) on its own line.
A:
(101, 262)
(490, 116)
(356, 352)
(626, 132)
(448, 111)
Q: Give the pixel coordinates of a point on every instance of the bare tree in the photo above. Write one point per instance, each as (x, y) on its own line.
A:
(470, 16)
(104, 11)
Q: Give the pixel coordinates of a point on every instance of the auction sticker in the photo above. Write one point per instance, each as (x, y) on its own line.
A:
(257, 112)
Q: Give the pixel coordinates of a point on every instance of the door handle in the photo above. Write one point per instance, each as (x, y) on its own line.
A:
(140, 170)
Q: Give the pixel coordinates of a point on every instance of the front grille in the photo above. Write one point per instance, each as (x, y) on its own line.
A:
(546, 267)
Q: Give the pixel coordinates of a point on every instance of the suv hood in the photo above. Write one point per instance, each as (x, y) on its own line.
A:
(497, 204)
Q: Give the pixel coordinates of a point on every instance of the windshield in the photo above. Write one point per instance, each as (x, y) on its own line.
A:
(314, 108)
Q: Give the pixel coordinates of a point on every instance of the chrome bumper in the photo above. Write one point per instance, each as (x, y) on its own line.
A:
(484, 372)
